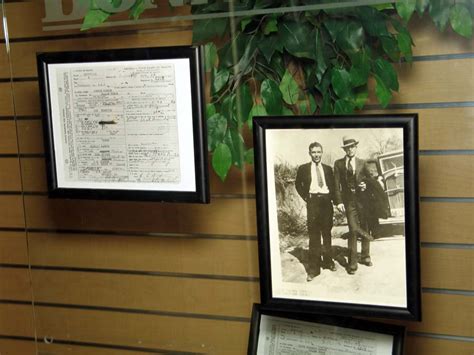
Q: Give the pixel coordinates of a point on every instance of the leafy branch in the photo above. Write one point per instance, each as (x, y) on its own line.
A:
(299, 63)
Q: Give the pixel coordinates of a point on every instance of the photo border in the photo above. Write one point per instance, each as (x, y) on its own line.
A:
(397, 331)
(409, 123)
(201, 193)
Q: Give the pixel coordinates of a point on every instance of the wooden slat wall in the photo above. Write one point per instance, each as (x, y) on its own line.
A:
(120, 277)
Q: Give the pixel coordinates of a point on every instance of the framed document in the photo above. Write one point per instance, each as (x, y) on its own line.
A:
(125, 124)
(337, 202)
(275, 332)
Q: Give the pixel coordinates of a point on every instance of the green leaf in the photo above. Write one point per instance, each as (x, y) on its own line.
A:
(222, 160)
(374, 21)
(268, 45)
(405, 8)
(439, 12)
(341, 82)
(360, 69)
(270, 26)
(343, 107)
(245, 22)
(287, 112)
(361, 97)
(289, 88)
(382, 92)
(351, 37)
(137, 9)
(321, 60)
(271, 97)
(204, 30)
(421, 6)
(277, 63)
(227, 107)
(235, 142)
(242, 103)
(210, 55)
(233, 50)
(461, 20)
(307, 107)
(94, 18)
(243, 66)
(404, 43)
(390, 46)
(386, 73)
(249, 156)
(298, 39)
(210, 110)
(326, 107)
(116, 3)
(220, 78)
(216, 130)
(257, 110)
(334, 27)
(261, 4)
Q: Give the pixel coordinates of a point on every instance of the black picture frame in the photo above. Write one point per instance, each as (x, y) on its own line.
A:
(191, 182)
(396, 331)
(276, 136)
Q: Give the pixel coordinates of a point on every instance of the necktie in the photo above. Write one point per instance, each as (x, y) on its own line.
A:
(350, 170)
(320, 178)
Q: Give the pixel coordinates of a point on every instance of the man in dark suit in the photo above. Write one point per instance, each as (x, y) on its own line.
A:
(350, 175)
(315, 184)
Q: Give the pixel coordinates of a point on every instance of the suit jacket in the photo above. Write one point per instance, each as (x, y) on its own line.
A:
(303, 180)
(342, 190)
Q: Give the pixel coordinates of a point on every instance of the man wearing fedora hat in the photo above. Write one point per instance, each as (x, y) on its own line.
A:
(350, 174)
(315, 184)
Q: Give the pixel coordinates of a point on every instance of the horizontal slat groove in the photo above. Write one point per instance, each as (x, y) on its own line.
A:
(441, 336)
(129, 310)
(448, 292)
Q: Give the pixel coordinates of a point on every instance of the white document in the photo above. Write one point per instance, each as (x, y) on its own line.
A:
(123, 124)
(280, 336)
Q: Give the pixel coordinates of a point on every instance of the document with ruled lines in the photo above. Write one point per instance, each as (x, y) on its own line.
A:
(118, 124)
(280, 336)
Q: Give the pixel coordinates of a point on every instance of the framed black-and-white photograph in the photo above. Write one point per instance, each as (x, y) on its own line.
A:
(275, 331)
(125, 124)
(337, 210)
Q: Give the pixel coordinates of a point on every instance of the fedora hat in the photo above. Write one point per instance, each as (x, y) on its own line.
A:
(348, 141)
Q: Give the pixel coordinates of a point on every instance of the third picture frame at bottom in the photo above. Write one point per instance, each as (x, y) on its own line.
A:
(337, 211)
(278, 332)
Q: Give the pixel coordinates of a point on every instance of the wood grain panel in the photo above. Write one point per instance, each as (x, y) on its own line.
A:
(27, 100)
(13, 248)
(60, 349)
(423, 345)
(430, 41)
(152, 293)
(436, 81)
(10, 179)
(439, 176)
(8, 137)
(24, 20)
(237, 181)
(442, 129)
(15, 284)
(439, 129)
(446, 176)
(423, 82)
(11, 211)
(24, 53)
(439, 222)
(447, 268)
(150, 331)
(17, 347)
(445, 314)
(446, 222)
(223, 216)
(16, 320)
(6, 103)
(180, 255)
(30, 136)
